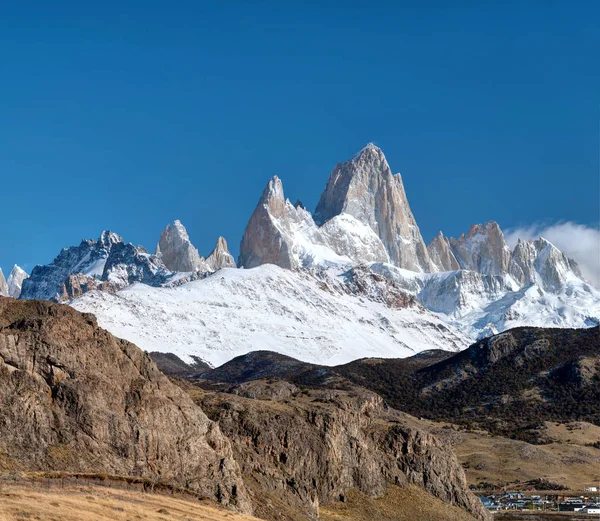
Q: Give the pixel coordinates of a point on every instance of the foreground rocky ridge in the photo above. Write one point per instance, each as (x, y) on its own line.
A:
(505, 384)
(300, 450)
(76, 398)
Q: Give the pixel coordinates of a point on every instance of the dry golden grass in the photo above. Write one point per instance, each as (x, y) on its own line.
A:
(18, 503)
(568, 460)
(399, 504)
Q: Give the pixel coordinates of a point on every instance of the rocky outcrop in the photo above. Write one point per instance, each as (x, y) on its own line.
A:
(176, 250)
(300, 450)
(220, 256)
(15, 281)
(441, 255)
(286, 235)
(365, 188)
(75, 398)
(77, 284)
(3, 285)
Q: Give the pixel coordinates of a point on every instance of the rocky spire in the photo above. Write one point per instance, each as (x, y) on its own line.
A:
(262, 242)
(220, 256)
(285, 234)
(483, 249)
(176, 250)
(441, 254)
(15, 281)
(365, 188)
(3, 285)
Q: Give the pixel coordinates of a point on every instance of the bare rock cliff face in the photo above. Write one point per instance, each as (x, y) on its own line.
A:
(483, 249)
(365, 188)
(299, 450)
(262, 242)
(75, 398)
(176, 250)
(286, 235)
(220, 256)
(441, 254)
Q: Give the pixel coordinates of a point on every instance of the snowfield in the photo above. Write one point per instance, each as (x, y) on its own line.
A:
(235, 311)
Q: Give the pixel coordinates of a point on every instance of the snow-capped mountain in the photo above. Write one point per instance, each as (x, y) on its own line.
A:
(355, 279)
(15, 281)
(475, 281)
(107, 264)
(287, 235)
(365, 188)
(322, 316)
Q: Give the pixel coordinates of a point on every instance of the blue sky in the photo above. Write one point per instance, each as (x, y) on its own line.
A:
(129, 115)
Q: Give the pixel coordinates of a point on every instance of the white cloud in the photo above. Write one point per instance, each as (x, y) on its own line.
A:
(577, 241)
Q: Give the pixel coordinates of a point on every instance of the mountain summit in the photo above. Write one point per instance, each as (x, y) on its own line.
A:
(365, 188)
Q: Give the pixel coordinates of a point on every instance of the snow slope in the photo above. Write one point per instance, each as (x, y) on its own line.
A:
(235, 311)
(475, 304)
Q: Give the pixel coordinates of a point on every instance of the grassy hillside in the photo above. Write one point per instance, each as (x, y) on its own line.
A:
(20, 503)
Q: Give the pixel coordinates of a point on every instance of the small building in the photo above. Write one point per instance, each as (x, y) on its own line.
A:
(571, 506)
(591, 489)
(590, 509)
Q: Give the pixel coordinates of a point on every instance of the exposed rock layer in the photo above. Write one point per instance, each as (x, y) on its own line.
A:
(76, 398)
(301, 450)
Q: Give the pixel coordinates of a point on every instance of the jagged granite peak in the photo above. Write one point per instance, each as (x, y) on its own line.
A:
(441, 255)
(108, 260)
(15, 281)
(177, 251)
(553, 266)
(483, 249)
(262, 242)
(3, 285)
(365, 188)
(286, 235)
(46, 282)
(220, 256)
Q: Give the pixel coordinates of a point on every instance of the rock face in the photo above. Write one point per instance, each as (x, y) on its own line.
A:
(441, 255)
(220, 257)
(75, 398)
(178, 253)
(176, 250)
(301, 450)
(286, 235)
(15, 281)
(483, 249)
(3, 285)
(541, 262)
(365, 188)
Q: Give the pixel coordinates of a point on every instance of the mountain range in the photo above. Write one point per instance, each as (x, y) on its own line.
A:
(352, 279)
